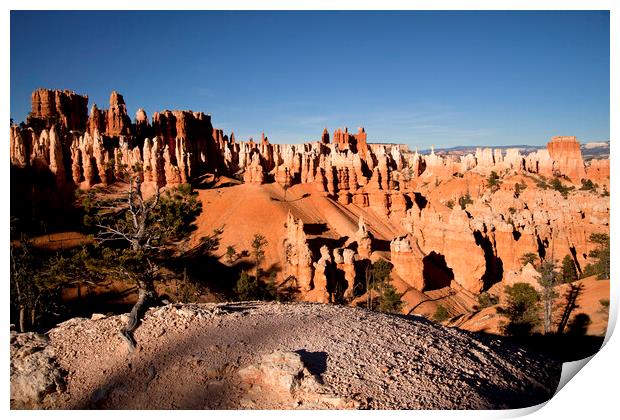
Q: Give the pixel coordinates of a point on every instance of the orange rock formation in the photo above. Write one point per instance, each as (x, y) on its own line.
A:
(410, 200)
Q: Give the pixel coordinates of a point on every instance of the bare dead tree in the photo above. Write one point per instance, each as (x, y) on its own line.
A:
(138, 230)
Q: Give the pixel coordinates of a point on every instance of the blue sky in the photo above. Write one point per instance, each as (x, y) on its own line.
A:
(420, 78)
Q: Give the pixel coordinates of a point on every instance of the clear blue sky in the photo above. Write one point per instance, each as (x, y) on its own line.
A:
(421, 78)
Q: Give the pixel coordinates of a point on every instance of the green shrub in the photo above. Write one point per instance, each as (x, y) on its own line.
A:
(441, 314)
(569, 271)
(601, 254)
(541, 183)
(486, 300)
(493, 181)
(519, 187)
(231, 254)
(529, 258)
(557, 185)
(522, 309)
(381, 270)
(247, 287)
(588, 185)
(464, 200)
(390, 299)
(188, 291)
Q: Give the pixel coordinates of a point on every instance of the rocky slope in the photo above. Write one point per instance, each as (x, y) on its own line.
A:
(261, 355)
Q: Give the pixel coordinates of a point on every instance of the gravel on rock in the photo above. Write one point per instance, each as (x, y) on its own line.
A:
(189, 357)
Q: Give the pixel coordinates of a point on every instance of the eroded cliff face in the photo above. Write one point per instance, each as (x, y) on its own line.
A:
(186, 145)
(435, 240)
(62, 107)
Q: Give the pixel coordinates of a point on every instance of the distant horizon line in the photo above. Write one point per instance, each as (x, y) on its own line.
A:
(410, 144)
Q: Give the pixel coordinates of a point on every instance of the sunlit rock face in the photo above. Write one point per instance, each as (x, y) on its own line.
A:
(410, 207)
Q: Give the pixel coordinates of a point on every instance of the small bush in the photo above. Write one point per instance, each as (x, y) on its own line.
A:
(493, 181)
(605, 193)
(519, 187)
(231, 254)
(557, 185)
(569, 271)
(441, 314)
(486, 300)
(464, 200)
(604, 309)
(588, 185)
(390, 299)
(381, 270)
(541, 183)
(529, 258)
(247, 287)
(450, 204)
(522, 308)
(602, 256)
(187, 290)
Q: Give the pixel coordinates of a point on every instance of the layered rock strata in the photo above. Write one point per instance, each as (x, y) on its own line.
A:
(470, 245)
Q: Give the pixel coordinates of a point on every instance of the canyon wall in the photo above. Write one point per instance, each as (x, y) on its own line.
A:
(437, 242)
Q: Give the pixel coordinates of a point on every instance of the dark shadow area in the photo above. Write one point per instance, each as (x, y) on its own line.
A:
(579, 325)
(339, 285)
(561, 348)
(494, 266)
(542, 245)
(570, 304)
(380, 245)
(210, 273)
(315, 244)
(436, 272)
(290, 201)
(38, 207)
(315, 228)
(315, 361)
(573, 253)
(420, 200)
(408, 202)
(359, 288)
(210, 184)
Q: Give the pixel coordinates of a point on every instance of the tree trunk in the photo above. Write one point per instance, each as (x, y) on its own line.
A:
(22, 318)
(33, 317)
(146, 293)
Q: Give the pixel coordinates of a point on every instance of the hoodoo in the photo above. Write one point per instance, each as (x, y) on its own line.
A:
(435, 217)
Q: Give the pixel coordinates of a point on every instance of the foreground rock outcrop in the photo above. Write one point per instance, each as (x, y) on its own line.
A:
(36, 378)
(268, 355)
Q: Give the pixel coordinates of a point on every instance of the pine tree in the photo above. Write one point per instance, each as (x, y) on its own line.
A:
(247, 287)
(441, 314)
(259, 242)
(390, 299)
(569, 272)
(521, 309)
(601, 254)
